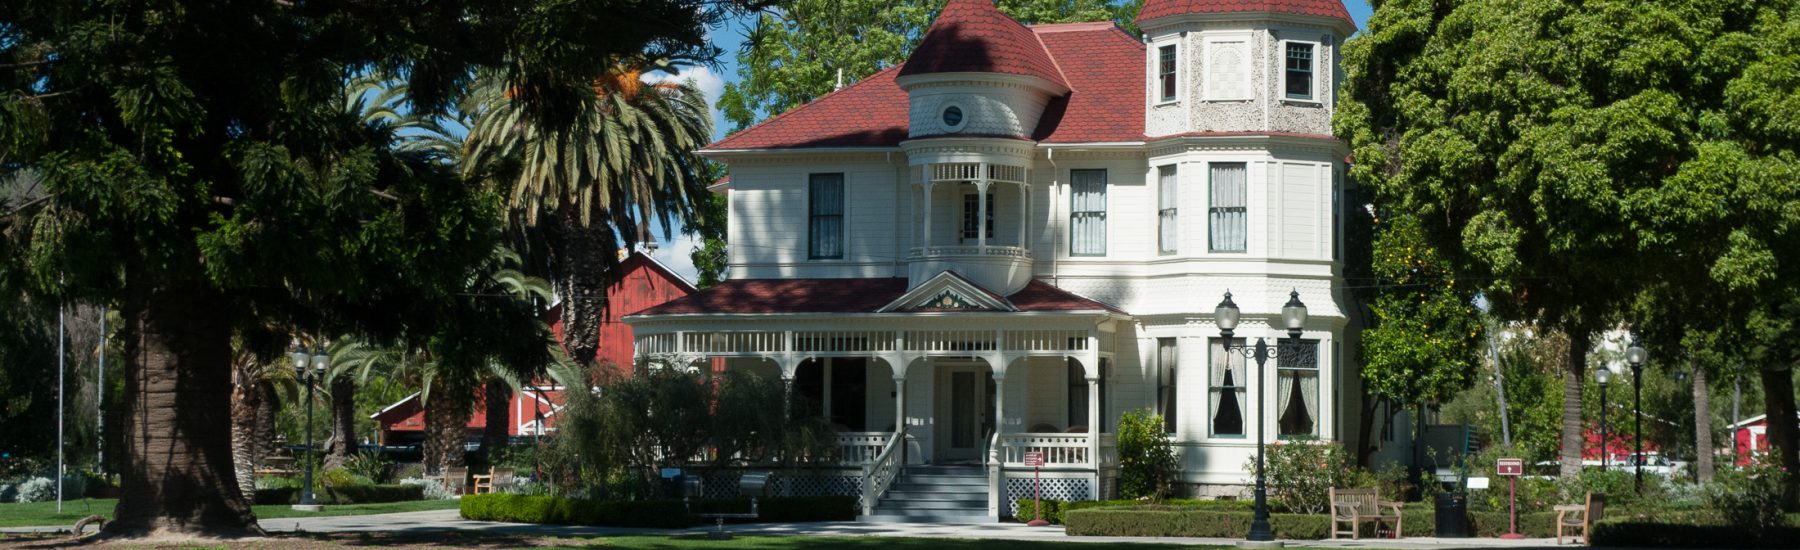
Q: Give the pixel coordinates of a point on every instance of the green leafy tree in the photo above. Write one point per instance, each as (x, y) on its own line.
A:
(1566, 155)
(1425, 340)
(199, 174)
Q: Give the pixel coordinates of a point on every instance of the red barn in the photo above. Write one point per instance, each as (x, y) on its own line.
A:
(643, 283)
(1749, 436)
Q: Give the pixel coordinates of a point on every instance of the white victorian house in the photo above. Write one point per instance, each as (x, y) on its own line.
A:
(1021, 233)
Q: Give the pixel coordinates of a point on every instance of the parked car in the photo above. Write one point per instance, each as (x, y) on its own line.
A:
(1654, 463)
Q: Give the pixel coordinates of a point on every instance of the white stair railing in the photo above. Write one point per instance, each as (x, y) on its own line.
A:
(995, 456)
(880, 473)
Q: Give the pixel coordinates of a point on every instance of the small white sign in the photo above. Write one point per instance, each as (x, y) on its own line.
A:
(1478, 483)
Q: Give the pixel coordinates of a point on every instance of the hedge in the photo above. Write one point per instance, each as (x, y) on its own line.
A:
(1055, 509)
(358, 494)
(653, 513)
(1188, 521)
(1657, 534)
(370, 494)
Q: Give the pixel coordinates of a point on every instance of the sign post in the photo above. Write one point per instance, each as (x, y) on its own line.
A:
(1035, 459)
(1511, 469)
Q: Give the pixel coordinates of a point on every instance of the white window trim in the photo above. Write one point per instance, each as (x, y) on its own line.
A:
(945, 107)
(1156, 98)
(1208, 91)
(1281, 66)
(844, 250)
(1157, 207)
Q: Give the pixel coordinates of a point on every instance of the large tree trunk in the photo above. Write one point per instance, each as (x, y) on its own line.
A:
(246, 402)
(342, 444)
(1574, 377)
(1703, 443)
(446, 426)
(497, 395)
(587, 257)
(1784, 429)
(178, 476)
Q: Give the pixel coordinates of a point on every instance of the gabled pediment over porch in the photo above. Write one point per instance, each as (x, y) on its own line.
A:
(948, 291)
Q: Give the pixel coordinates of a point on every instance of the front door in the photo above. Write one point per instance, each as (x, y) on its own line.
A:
(965, 409)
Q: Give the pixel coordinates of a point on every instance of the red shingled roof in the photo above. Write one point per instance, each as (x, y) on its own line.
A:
(869, 113)
(1106, 72)
(973, 36)
(772, 296)
(1322, 8)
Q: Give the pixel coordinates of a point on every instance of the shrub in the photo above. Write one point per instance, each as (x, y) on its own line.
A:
(1749, 497)
(371, 465)
(1147, 465)
(1659, 534)
(341, 477)
(408, 471)
(1056, 510)
(43, 489)
(369, 494)
(429, 489)
(277, 495)
(9, 492)
(1214, 520)
(1302, 472)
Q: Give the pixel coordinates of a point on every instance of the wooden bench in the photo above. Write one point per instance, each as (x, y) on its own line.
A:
(1359, 506)
(1579, 516)
(497, 477)
(455, 480)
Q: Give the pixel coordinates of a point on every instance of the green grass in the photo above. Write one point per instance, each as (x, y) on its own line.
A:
(35, 514)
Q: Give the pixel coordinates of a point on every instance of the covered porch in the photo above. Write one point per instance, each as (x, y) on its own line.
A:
(954, 383)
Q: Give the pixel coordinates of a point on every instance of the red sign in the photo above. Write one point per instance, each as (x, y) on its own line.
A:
(1510, 466)
(1034, 458)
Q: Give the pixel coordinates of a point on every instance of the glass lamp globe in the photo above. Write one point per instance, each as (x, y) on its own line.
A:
(1226, 314)
(1294, 313)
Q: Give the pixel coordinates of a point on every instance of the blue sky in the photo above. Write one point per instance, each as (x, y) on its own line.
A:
(712, 80)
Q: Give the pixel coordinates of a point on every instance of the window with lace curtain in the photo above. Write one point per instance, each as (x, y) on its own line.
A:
(1169, 230)
(1228, 216)
(825, 223)
(1167, 359)
(1227, 389)
(1297, 388)
(1087, 213)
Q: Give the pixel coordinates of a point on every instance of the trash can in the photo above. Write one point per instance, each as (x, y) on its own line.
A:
(1452, 515)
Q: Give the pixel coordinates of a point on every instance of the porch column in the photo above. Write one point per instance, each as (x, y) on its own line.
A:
(996, 459)
(1094, 417)
(926, 244)
(981, 213)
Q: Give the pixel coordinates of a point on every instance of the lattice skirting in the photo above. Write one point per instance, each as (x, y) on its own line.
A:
(724, 484)
(1054, 489)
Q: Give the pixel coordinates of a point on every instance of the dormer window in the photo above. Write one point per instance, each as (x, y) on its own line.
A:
(1301, 66)
(1165, 73)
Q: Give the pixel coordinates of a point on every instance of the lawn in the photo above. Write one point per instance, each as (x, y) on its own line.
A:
(36, 514)
(484, 541)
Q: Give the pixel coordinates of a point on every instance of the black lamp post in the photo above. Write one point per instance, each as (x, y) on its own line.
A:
(1636, 356)
(1293, 314)
(319, 362)
(1601, 375)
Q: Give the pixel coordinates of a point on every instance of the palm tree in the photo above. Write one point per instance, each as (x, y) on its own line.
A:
(592, 180)
(253, 385)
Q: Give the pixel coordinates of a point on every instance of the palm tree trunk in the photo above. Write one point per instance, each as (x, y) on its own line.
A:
(264, 428)
(1573, 436)
(497, 396)
(446, 421)
(587, 258)
(246, 402)
(178, 476)
(1703, 443)
(1784, 430)
(343, 423)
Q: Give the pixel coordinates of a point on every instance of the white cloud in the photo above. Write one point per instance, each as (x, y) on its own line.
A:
(677, 254)
(709, 83)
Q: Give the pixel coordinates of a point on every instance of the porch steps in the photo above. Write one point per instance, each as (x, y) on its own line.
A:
(935, 494)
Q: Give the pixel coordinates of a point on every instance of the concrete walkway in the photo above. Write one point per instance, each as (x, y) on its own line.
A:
(449, 520)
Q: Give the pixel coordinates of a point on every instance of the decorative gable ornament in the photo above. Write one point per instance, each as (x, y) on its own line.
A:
(947, 291)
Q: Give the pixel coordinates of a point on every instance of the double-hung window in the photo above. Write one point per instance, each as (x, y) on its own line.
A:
(1165, 73)
(1087, 213)
(825, 210)
(971, 210)
(1169, 231)
(1227, 217)
(1297, 388)
(1167, 359)
(1298, 78)
(1227, 389)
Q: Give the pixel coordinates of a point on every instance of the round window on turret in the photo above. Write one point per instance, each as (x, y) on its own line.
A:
(953, 118)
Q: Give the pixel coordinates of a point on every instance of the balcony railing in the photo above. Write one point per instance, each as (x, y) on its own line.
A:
(998, 251)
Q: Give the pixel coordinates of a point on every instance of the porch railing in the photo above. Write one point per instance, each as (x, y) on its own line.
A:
(858, 448)
(879, 473)
(1060, 450)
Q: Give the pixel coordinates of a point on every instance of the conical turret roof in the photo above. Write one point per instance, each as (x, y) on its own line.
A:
(973, 36)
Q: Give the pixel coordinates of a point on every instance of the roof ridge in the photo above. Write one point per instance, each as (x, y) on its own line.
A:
(815, 101)
(1071, 26)
(1054, 63)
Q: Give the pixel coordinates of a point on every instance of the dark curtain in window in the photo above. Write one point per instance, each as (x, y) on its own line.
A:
(825, 204)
